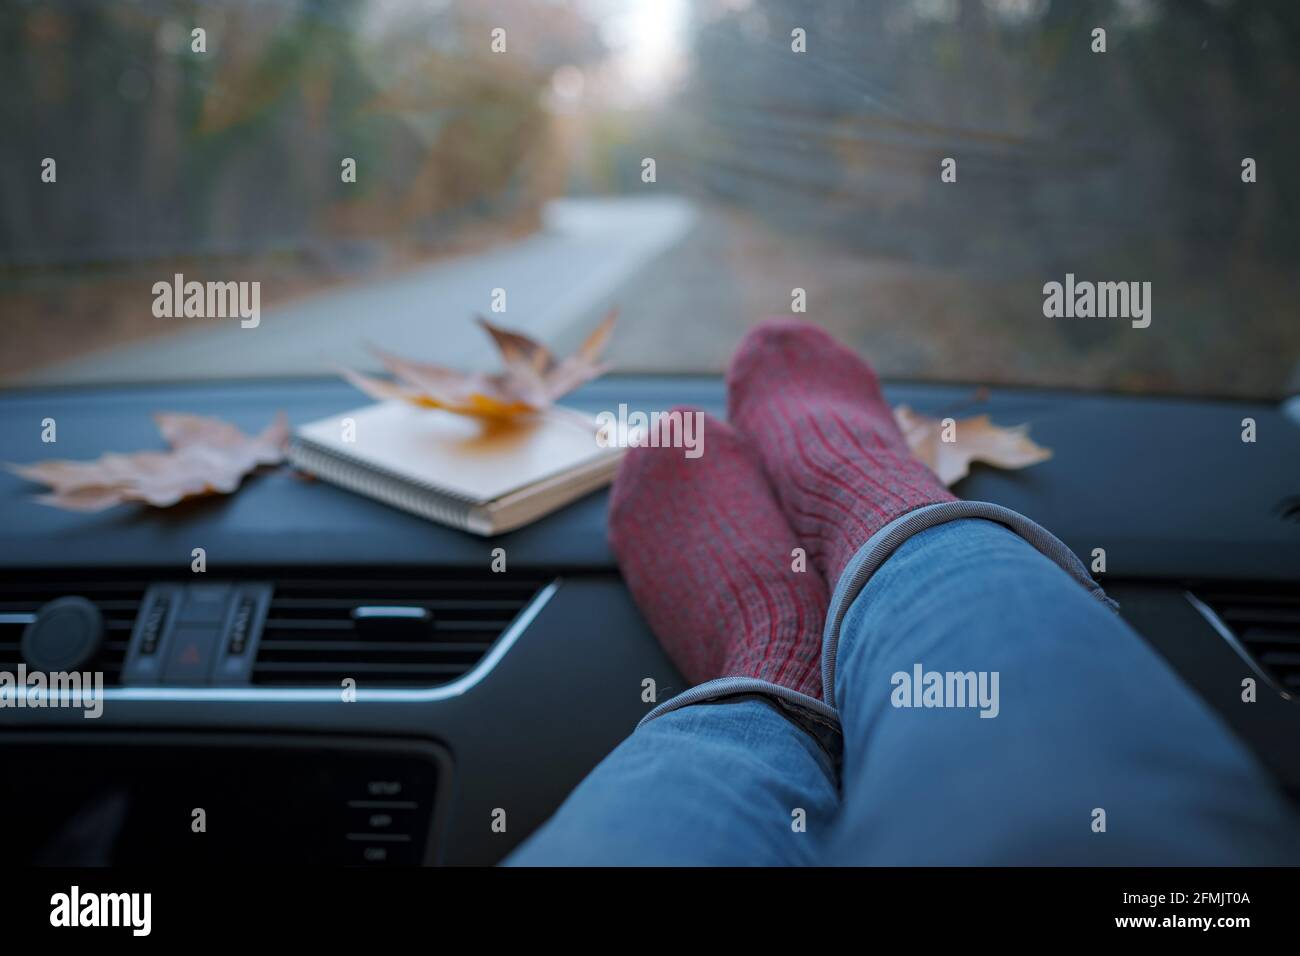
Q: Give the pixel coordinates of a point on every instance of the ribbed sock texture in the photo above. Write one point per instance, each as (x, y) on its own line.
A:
(827, 438)
(709, 558)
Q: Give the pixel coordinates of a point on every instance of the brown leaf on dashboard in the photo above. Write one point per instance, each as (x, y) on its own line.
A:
(531, 379)
(267, 448)
(207, 456)
(972, 439)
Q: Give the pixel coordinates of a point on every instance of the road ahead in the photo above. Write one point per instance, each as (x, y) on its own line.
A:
(557, 282)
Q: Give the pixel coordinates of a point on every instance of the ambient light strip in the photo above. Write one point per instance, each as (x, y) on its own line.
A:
(376, 695)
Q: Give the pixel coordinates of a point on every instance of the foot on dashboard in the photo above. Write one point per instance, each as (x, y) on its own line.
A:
(827, 438)
(714, 566)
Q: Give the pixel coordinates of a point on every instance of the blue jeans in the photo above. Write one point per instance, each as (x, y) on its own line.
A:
(1092, 751)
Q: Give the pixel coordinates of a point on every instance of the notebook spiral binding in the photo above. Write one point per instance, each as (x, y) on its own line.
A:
(409, 494)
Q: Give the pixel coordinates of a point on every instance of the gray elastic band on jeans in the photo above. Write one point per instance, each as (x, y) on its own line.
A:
(888, 539)
(731, 686)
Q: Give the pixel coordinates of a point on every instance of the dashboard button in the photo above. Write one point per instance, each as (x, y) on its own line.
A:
(189, 657)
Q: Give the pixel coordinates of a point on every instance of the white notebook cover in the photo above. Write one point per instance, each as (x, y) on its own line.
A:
(471, 459)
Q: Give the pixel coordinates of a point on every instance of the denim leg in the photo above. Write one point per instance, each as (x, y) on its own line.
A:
(709, 784)
(1089, 720)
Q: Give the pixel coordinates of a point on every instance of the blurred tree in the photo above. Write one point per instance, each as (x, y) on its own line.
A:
(163, 151)
(1063, 154)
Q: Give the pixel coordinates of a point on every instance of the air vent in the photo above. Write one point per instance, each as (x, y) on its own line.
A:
(397, 632)
(1266, 625)
(117, 600)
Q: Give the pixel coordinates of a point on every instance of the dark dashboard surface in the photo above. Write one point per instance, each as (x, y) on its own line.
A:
(1166, 486)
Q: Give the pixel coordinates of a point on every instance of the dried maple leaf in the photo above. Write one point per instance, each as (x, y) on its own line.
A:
(207, 456)
(531, 378)
(976, 439)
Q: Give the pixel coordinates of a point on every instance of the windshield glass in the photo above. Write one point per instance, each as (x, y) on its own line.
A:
(1093, 195)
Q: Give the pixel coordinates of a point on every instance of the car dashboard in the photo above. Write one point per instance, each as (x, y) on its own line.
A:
(344, 683)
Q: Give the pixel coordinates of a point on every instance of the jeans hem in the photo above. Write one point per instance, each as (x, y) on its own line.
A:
(731, 686)
(878, 548)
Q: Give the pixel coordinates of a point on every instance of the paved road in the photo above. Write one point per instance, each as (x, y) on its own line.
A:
(558, 282)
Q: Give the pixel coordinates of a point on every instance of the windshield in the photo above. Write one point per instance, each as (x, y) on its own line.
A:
(1094, 195)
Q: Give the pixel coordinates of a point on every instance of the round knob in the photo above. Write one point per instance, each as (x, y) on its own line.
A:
(66, 634)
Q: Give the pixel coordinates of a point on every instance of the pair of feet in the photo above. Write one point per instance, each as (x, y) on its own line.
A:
(730, 555)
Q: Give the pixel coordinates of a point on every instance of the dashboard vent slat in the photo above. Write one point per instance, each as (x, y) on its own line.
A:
(1266, 624)
(312, 636)
(118, 600)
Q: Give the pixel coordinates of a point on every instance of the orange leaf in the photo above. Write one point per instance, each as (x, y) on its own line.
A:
(974, 439)
(530, 381)
(584, 364)
(207, 456)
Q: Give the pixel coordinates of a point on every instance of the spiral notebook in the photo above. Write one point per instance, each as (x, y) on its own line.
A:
(482, 477)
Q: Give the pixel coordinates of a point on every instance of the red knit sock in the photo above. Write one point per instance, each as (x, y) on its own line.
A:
(828, 441)
(708, 557)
